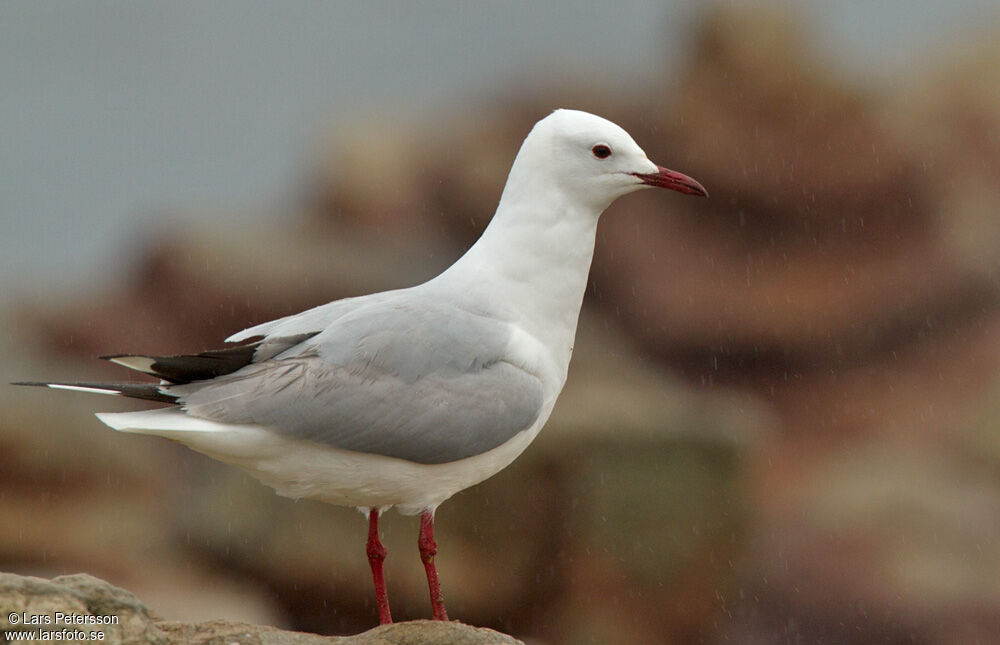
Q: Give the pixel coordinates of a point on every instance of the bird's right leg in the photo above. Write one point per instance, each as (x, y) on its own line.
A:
(428, 549)
(376, 555)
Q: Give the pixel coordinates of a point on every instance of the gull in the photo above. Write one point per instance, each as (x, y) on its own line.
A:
(406, 397)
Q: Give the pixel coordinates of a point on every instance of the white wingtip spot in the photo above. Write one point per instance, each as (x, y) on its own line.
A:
(137, 363)
(81, 388)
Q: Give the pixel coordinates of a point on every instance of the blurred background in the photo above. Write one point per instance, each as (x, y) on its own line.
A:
(781, 423)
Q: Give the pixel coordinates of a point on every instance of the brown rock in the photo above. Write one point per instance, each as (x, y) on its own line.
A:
(99, 607)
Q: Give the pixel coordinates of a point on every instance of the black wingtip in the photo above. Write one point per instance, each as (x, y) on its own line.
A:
(30, 383)
(146, 391)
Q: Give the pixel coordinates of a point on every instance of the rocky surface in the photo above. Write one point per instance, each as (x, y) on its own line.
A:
(35, 605)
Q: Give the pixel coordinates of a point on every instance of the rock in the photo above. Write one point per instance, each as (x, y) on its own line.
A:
(417, 632)
(79, 595)
(122, 618)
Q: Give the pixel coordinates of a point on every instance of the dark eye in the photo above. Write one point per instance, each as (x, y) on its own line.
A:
(601, 151)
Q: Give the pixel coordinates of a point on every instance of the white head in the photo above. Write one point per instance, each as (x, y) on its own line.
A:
(591, 161)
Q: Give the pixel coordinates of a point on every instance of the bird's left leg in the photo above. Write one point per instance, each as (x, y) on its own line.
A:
(428, 549)
(376, 555)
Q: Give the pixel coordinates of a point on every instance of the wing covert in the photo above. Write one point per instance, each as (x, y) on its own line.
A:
(425, 383)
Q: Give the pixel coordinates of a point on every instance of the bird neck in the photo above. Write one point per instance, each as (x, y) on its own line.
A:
(530, 266)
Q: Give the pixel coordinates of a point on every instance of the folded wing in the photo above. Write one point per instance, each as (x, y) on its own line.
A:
(414, 380)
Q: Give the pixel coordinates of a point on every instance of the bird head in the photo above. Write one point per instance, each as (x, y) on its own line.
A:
(594, 160)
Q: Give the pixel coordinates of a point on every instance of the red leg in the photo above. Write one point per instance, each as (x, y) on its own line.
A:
(376, 555)
(428, 549)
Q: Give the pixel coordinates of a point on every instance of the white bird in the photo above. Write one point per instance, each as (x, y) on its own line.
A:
(403, 398)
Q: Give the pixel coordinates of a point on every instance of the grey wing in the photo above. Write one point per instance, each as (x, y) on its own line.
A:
(422, 383)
